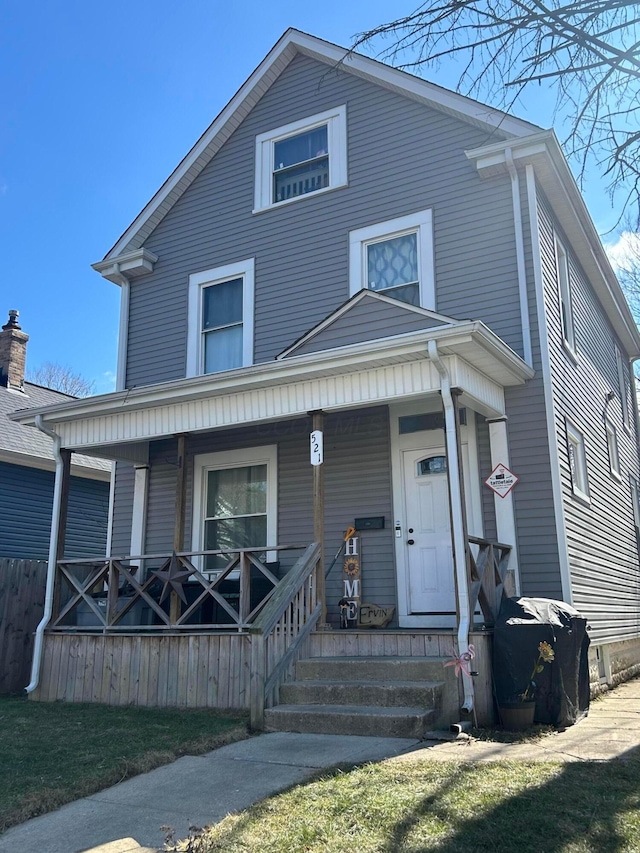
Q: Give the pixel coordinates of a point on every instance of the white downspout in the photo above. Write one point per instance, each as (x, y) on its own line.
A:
(520, 262)
(51, 567)
(459, 545)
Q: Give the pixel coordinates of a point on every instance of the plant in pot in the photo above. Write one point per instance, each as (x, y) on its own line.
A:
(518, 715)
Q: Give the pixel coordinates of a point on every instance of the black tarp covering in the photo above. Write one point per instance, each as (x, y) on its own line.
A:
(562, 688)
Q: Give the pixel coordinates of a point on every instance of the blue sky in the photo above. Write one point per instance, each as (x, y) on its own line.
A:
(98, 103)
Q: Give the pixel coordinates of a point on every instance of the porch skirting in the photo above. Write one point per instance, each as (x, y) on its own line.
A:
(212, 670)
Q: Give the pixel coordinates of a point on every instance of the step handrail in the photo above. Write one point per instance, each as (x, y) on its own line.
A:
(279, 630)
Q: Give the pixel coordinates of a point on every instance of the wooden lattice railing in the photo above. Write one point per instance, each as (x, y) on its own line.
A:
(110, 595)
(489, 577)
(279, 631)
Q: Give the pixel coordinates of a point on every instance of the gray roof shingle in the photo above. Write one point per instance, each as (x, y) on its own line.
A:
(16, 438)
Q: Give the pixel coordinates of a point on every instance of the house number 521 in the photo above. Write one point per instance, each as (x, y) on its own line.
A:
(317, 456)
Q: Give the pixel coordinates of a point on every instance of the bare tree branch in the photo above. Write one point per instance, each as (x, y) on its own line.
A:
(59, 377)
(587, 50)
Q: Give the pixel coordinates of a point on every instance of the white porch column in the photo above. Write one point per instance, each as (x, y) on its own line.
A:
(139, 513)
(505, 515)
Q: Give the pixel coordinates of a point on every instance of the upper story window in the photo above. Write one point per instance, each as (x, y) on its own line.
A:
(564, 290)
(612, 448)
(577, 462)
(622, 385)
(395, 258)
(302, 158)
(220, 333)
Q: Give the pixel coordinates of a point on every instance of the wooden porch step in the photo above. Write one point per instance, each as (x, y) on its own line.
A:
(350, 720)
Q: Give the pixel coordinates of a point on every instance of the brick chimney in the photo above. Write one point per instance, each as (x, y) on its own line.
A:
(13, 354)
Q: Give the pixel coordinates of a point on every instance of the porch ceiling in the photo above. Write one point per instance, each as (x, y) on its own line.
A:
(385, 370)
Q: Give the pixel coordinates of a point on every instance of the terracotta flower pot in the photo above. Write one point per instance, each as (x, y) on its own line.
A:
(517, 716)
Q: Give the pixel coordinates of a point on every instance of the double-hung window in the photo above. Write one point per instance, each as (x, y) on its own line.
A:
(564, 292)
(220, 334)
(395, 258)
(302, 158)
(577, 462)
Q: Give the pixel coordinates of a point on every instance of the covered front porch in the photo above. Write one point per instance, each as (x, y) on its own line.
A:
(405, 421)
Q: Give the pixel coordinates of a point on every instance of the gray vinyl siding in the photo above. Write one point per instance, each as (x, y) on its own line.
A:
(357, 483)
(122, 510)
(403, 157)
(26, 504)
(367, 321)
(603, 553)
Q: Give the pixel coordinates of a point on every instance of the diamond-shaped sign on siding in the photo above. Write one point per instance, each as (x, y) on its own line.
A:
(501, 480)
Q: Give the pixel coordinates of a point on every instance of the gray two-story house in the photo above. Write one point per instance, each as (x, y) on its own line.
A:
(412, 278)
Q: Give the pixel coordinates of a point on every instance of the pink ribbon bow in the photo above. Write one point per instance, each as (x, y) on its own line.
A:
(461, 662)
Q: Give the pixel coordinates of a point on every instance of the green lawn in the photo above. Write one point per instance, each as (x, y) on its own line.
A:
(51, 753)
(417, 805)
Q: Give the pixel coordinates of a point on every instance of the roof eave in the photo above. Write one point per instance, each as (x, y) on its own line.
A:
(513, 368)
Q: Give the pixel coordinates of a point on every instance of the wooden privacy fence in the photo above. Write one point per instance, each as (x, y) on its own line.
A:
(22, 588)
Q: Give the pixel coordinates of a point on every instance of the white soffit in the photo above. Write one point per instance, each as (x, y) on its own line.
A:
(291, 43)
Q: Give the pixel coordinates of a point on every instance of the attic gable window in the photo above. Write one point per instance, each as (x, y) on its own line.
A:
(395, 258)
(303, 158)
(220, 331)
(564, 292)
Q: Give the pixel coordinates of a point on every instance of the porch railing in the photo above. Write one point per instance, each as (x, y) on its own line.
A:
(489, 580)
(279, 631)
(109, 595)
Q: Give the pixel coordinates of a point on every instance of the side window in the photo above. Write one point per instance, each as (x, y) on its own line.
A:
(220, 332)
(302, 158)
(622, 387)
(395, 258)
(612, 447)
(564, 291)
(577, 462)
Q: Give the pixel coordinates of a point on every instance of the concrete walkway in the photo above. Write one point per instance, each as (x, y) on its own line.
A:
(199, 790)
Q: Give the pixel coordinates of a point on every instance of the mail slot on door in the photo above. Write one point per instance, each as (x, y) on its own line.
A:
(372, 522)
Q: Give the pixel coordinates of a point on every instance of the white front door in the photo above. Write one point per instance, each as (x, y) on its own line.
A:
(426, 577)
(427, 533)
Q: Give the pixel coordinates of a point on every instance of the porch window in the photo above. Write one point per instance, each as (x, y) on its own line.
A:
(302, 158)
(235, 502)
(236, 511)
(220, 332)
(394, 258)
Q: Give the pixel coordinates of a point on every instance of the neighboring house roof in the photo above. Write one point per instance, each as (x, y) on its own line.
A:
(500, 125)
(23, 445)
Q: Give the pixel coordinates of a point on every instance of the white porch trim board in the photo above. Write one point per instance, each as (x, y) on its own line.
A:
(380, 371)
(139, 510)
(504, 509)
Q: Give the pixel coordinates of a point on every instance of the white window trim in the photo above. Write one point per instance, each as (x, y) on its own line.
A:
(336, 121)
(575, 437)
(205, 462)
(422, 224)
(197, 282)
(612, 449)
(564, 297)
(622, 387)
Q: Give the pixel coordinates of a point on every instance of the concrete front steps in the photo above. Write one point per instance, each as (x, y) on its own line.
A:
(374, 696)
